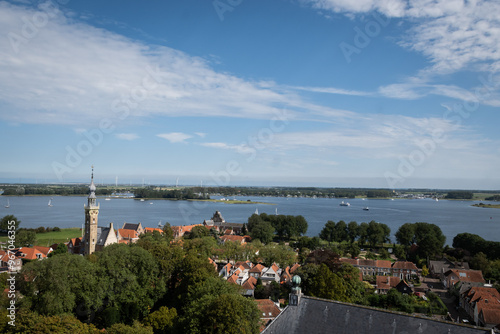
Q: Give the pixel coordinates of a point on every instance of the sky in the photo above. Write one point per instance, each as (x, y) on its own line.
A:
(329, 93)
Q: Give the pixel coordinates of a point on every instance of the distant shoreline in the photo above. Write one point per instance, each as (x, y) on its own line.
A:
(490, 206)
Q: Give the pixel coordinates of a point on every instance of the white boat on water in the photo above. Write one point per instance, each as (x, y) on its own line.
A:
(345, 204)
(50, 202)
(256, 211)
(366, 208)
(8, 204)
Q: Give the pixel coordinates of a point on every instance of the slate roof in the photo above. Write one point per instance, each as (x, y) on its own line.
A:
(314, 316)
(130, 226)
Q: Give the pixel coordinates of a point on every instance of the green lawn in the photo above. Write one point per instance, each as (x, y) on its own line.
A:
(49, 238)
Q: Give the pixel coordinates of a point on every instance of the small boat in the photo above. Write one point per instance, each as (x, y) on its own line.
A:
(345, 204)
(366, 208)
(256, 211)
(142, 199)
(8, 204)
(150, 202)
(50, 202)
(107, 199)
(276, 212)
(436, 199)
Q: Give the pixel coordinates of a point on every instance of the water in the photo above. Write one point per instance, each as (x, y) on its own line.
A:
(452, 217)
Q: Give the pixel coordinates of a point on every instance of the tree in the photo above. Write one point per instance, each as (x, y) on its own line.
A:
(377, 233)
(231, 313)
(340, 231)
(168, 233)
(5, 223)
(61, 284)
(280, 254)
(60, 249)
(198, 232)
(263, 231)
(162, 321)
(25, 238)
(328, 232)
(352, 231)
(130, 269)
(405, 235)
(363, 233)
(430, 240)
(326, 284)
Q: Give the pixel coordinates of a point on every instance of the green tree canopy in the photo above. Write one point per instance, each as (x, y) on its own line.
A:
(4, 222)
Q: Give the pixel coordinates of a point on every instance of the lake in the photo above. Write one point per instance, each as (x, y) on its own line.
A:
(452, 217)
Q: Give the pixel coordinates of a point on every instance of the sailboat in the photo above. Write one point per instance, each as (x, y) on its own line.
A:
(256, 211)
(276, 211)
(8, 204)
(50, 202)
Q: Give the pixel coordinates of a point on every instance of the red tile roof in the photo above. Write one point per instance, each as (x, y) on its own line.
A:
(250, 283)
(387, 282)
(152, 229)
(234, 238)
(257, 268)
(404, 265)
(384, 264)
(127, 234)
(491, 315)
(465, 275)
(30, 253)
(268, 308)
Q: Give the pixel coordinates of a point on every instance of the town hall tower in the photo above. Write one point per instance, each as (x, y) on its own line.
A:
(91, 213)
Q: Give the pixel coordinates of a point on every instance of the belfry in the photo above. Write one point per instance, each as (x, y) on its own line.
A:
(91, 213)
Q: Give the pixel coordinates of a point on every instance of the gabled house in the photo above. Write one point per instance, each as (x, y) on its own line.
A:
(385, 283)
(370, 267)
(438, 268)
(180, 231)
(268, 311)
(126, 236)
(453, 276)
(9, 262)
(405, 270)
(249, 286)
(271, 274)
(235, 238)
(477, 299)
(75, 246)
(33, 253)
(256, 271)
(404, 288)
(221, 225)
(135, 227)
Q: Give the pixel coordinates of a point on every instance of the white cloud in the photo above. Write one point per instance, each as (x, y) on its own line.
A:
(127, 136)
(72, 73)
(200, 134)
(175, 137)
(242, 149)
(331, 90)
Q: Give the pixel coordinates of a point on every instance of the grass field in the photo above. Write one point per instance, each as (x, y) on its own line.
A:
(49, 238)
(482, 205)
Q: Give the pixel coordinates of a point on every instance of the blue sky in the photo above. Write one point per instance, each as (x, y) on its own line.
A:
(375, 93)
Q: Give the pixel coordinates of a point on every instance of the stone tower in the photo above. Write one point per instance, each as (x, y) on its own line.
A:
(91, 213)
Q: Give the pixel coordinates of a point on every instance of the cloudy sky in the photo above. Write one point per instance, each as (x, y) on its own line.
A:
(375, 93)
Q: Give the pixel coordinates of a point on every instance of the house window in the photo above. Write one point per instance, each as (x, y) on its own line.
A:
(39, 256)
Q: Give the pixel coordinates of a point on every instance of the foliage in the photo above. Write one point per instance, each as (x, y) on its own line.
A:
(60, 284)
(132, 282)
(178, 194)
(60, 249)
(280, 254)
(135, 328)
(162, 321)
(377, 233)
(475, 244)
(25, 238)
(4, 222)
(286, 227)
(261, 230)
(428, 237)
(459, 194)
(198, 232)
(31, 322)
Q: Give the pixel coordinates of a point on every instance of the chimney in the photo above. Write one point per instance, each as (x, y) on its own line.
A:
(110, 227)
